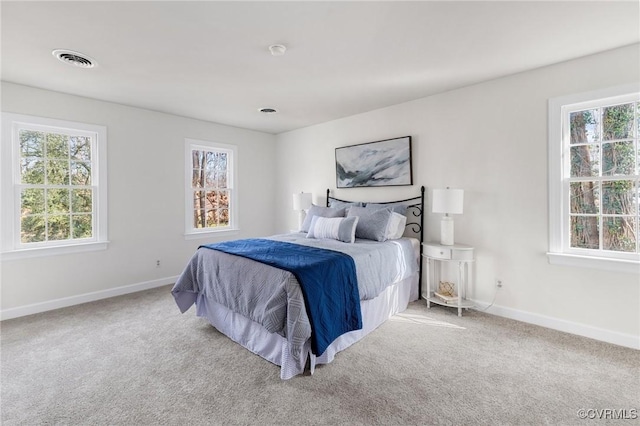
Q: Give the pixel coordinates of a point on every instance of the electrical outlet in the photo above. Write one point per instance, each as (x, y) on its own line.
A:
(157, 263)
(498, 283)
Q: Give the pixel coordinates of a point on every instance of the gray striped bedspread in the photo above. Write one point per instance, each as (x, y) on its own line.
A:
(272, 297)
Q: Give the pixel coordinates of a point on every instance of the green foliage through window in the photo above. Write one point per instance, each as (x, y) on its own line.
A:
(56, 198)
(604, 178)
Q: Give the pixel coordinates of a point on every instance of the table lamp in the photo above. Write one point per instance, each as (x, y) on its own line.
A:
(447, 201)
(301, 202)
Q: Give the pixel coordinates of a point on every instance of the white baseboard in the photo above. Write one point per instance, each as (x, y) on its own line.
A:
(621, 339)
(64, 302)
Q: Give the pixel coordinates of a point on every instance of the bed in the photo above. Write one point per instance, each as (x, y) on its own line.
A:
(269, 296)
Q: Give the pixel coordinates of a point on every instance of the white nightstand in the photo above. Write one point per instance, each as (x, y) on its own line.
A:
(437, 255)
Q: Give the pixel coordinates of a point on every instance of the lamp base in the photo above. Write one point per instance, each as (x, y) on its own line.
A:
(446, 231)
(301, 217)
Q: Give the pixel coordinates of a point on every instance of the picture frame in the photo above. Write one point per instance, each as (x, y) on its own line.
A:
(381, 163)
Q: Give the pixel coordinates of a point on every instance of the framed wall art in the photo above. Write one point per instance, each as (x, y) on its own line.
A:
(380, 163)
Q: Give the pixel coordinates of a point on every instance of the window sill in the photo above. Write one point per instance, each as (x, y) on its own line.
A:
(209, 234)
(53, 251)
(602, 263)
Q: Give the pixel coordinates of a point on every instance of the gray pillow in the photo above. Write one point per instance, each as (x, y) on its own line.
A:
(334, 228)
(320, 211)
(398, 208)
(337, 204)
(372, 224)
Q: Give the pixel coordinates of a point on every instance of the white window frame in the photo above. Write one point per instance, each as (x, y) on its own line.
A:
(560, 252)
(232, 151)
(12, 247)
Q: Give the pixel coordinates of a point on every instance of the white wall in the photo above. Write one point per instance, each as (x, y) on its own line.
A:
(491, 140)
(146, 199)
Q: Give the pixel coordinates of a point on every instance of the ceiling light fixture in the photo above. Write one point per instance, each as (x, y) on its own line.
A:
(268, 110)
(76, 59)
(277, 49)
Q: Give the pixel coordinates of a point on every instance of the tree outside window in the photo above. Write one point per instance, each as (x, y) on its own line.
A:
(603, 178)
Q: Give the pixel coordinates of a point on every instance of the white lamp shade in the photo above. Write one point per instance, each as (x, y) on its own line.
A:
(448, 201)
(302, 201)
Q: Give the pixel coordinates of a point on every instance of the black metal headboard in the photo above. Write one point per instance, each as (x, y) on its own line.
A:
(415, 220)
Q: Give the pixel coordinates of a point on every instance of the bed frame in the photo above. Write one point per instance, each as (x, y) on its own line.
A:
(414, 226)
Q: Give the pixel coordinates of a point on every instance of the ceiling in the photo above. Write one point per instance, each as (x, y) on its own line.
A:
(210, 60)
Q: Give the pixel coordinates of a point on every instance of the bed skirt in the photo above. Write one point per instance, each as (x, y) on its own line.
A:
(275, 348)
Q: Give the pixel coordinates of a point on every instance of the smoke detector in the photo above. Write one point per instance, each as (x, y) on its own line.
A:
(76, 59)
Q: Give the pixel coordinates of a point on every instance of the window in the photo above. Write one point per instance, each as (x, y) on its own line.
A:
(210, 193)
(54, 186)
(594, 185)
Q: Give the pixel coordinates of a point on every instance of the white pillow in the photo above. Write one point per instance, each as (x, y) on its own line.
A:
(335, 228)
(395, 226)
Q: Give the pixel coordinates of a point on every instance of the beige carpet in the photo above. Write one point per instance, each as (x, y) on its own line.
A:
(134, 360)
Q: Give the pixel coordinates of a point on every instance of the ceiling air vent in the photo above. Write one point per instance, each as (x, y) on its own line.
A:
(76, 59)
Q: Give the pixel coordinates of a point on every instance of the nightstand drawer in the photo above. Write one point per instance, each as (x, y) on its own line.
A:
(437, 252)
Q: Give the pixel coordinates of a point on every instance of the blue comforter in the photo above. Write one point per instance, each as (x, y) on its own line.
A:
(327, 279)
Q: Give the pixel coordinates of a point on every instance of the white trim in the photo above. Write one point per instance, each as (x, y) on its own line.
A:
(602, 263)
(9, 157)
(232, 150)
(51, 251)
(64, 302)
(209, 234)
(596, 333)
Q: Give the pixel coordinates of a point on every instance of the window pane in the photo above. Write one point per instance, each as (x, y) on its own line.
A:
(58, 200)
(617, 122)
(82, 227)
(32, 170)
(197, 178)
(585, 197)
(224, 217)
(32, 201)
(212, 218)
(222, 171)
(618, 158)
(81, 200)
(32, 229)
(59, 227)
(638, 121)
(199, 218)
(197, 158)
(224, 199)
(585, 160)
(80, 148)
(31, 143)
(619, 234)
(585, 232)
(57, 172)
(212, 200)
(80, 173)
(585, 126)
(618, 197)
(211, 178)
(57, 146)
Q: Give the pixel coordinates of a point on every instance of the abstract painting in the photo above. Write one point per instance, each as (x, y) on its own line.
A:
(381, 163)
